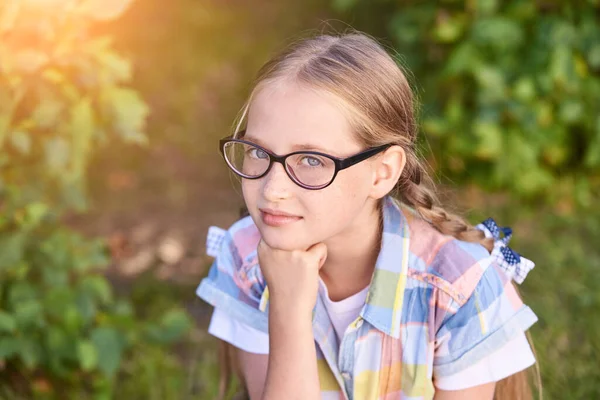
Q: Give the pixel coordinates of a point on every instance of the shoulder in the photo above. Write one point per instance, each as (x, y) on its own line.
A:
(237, 243)
(244, 235)
(235, 270)
(445, 263)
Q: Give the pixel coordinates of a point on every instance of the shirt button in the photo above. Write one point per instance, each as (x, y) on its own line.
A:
(346, 375)
(359, 323)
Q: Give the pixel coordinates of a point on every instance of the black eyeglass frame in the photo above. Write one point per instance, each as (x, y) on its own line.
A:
(339, 163)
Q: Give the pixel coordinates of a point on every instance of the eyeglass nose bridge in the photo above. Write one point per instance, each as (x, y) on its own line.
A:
(273, 158)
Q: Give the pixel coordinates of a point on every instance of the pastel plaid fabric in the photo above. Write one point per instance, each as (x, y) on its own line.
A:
(214, 240)
(435, 306)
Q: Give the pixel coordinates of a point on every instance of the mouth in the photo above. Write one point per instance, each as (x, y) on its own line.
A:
(277, 218)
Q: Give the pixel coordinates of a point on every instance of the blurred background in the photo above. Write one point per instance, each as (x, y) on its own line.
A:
(110, 115)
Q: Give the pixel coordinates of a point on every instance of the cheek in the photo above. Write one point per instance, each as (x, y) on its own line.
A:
(250, 191)
(340, 203)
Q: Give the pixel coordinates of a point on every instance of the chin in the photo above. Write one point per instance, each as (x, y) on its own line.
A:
(278, 238)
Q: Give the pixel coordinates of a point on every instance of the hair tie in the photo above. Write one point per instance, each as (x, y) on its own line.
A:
(516, 266)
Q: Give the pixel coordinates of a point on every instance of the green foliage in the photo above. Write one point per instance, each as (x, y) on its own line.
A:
(63, 93)
(59, 318)
(510, 90)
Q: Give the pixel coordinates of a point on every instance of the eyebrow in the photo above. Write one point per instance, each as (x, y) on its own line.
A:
(296, 147)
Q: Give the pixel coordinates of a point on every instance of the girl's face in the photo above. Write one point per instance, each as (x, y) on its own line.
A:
(287, 117)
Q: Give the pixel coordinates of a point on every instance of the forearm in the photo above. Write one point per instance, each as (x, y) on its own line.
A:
(292, 371)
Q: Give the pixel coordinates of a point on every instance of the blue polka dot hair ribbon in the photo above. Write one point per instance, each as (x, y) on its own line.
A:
(516, 266)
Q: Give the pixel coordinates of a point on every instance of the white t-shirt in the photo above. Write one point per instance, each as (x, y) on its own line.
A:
(514, 356)
(342, 313)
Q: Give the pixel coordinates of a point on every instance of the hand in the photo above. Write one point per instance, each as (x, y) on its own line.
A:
(292, 276)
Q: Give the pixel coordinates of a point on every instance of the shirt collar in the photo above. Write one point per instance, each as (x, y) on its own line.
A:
(383, 306)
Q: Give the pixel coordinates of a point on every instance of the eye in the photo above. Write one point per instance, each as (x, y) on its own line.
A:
(257, 153)
(311, 161)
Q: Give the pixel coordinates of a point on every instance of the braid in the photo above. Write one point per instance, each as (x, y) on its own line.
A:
(414, 187)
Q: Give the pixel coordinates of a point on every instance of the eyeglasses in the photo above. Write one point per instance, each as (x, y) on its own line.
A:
(308, 169)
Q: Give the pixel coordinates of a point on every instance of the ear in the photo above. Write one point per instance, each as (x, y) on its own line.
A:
(387, 170)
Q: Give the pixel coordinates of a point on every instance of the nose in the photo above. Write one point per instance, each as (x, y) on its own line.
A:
(277, 185)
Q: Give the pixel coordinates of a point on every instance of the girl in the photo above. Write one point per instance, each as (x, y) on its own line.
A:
(334, 289)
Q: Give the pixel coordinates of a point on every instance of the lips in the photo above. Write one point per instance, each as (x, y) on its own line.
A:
(277, 218)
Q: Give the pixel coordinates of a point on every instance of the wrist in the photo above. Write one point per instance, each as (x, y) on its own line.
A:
(289, 309)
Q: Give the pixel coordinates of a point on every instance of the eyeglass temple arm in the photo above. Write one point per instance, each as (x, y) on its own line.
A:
(350, 161)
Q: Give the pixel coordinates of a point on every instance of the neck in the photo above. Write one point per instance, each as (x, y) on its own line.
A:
(352, 254)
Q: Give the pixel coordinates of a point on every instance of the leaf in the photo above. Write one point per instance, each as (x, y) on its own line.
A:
(489, 145)
(86, 308)
(9, 346)
(12, 247)
(57, 342)
(81, 128)
(87, 355)
(53, 75)
(486, 7)
(57, 152)
(55, 300)
(593, 56)
(21, 142)
(47, 112)
(592, 156)
(449, 29)
(533, 180)
(524, 89)
(103, 10)
(571, 111)
(29, 61)
(499, 32)
(99, 287)
(35, 213)
(465, 57)
(127, 112)
(171, 327)
(31, 353)
(562, 68)
(28, 314)
(176, 321)
(113, 68)
(21, 292)
(7, 322)
(491, 79)
(109, 346)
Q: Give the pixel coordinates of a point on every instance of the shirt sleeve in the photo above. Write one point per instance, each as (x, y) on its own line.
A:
(491, 318)
(234, 283)
(238, 334)
(511, 358)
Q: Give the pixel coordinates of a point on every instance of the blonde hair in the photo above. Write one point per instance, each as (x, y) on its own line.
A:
(379, 103)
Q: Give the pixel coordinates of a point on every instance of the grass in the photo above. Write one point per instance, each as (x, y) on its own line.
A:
(563, 290)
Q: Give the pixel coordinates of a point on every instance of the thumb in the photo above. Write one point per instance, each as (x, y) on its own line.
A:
(319, 252)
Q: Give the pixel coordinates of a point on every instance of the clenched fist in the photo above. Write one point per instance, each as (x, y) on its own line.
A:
(292, 276)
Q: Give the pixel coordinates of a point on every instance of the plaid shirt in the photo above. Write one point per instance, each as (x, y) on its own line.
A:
(436, 305)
